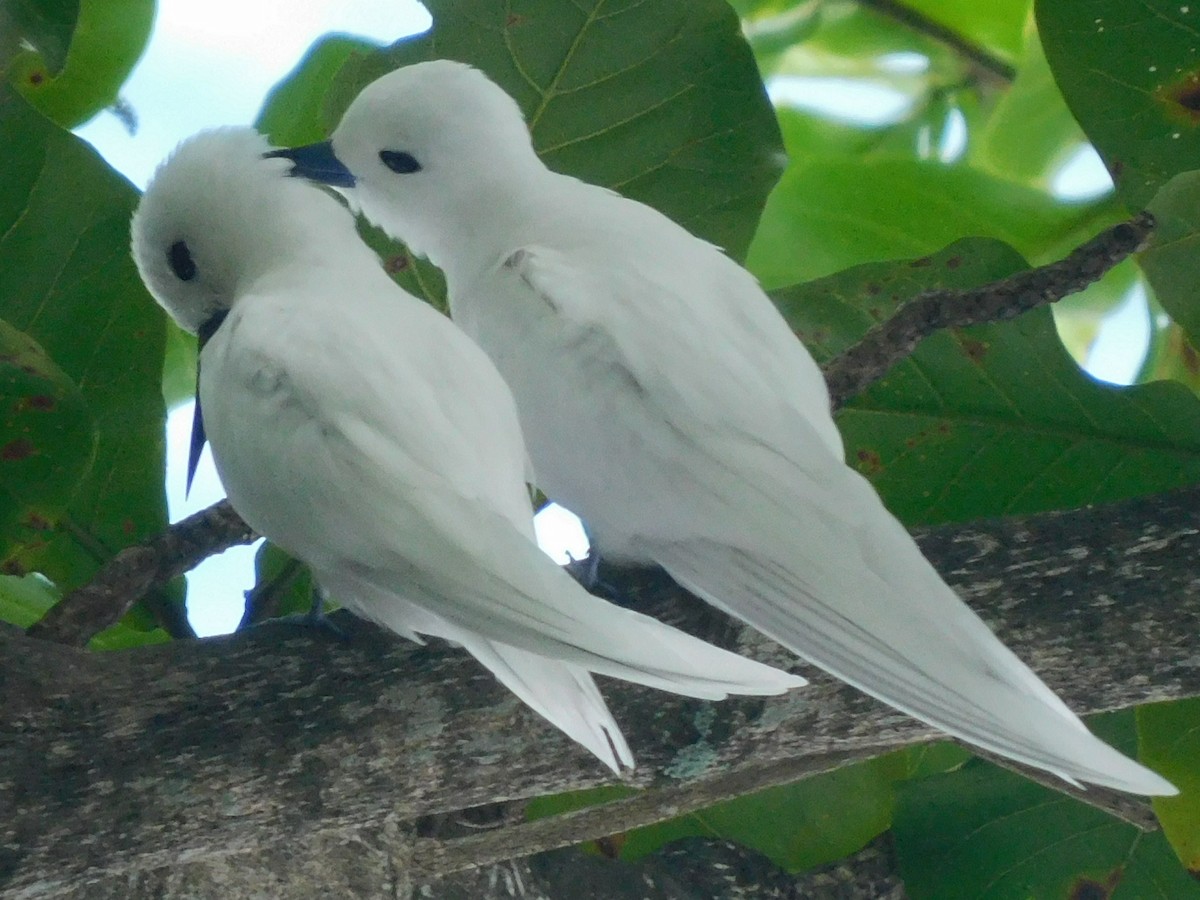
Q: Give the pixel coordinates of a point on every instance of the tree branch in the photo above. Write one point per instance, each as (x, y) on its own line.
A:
(922, 24)
(245, 752)
(861, 365)
(134, 571)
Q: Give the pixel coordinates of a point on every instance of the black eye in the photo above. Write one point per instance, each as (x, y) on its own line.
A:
(180, 259)
(399, 161)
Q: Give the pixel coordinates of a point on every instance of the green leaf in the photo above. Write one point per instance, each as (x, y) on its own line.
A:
(1169, 738)
(799, 825)
(996, 419)
(814, 821)
(985, 832)
(1131, 75)
(292, 112)
(25, 599)
(67, 280)
(853, 38)
(123, 636)
(46, 441)
(660, 101)
(282, 586)
(1031, 133)
(45, 25)
(569, 801)
(108, 39)
(834, 214)
(179, 366)
(1173, 356)
(994, 27)
(1172, 261)
(775, 28)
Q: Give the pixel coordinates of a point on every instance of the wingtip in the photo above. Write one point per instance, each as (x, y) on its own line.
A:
(1127, 776)
(1154, 785)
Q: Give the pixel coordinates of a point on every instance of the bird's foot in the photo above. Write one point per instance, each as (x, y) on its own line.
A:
(316, 619)
(587, 572)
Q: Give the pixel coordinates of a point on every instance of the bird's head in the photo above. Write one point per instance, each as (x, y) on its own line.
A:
(218, 215)
(423, 149)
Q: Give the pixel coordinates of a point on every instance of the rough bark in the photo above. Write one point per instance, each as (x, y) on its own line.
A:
(283, 762)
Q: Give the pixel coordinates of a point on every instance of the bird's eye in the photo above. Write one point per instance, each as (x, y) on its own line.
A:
(180, 259)
(400, 162)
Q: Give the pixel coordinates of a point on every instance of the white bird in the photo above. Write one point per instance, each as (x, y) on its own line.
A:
(364, 433)
(665, 400)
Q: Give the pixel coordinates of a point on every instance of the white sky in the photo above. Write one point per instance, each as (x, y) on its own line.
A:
(211, 63)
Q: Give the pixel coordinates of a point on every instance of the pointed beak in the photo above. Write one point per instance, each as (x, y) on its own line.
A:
(199, 437)
(316, 162)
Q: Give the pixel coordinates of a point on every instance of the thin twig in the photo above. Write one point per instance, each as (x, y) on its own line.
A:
(886, 344)
(129, 575)
(921, 23)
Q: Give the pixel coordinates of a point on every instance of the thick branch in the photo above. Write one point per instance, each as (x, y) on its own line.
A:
(886, 344)
(240, 750)
(129, 575)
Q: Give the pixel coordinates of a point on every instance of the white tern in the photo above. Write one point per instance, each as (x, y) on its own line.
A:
(665, 400)
(364, 433)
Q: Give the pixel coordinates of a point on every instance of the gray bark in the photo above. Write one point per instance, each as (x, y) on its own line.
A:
(283, 762)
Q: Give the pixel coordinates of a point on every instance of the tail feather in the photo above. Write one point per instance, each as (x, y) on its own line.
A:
(561, 690)
(563, 695)
(929, 655)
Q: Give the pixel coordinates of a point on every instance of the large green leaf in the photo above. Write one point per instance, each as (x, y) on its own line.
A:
(661, 101)
(46, 441)
(1031, 133)
(992, 420)
(25, 598)
(1172, 261)
(1130, 73)
(293, 112)
(810, 822)
(833, 214)
(1169, 739)
(107, 40)
(67, 280)
(799, 825)
(985, 832)
(44, 26)
(774, 28)
(179, 366)
(994, 27)
(854, 37)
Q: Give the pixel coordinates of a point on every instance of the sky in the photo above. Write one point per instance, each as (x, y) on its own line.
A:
(212, 62)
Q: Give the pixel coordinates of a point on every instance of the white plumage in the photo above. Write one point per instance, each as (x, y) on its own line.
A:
(666, 401)
(364, 433)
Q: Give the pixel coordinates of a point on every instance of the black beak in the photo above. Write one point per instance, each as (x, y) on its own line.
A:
(316, 162)
(199, 438)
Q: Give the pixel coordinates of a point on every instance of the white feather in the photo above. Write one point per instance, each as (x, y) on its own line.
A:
(666, 401)
(364, 433)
